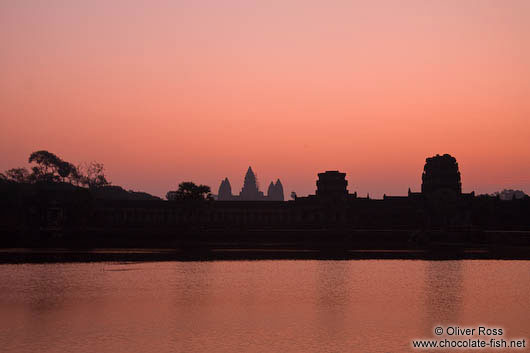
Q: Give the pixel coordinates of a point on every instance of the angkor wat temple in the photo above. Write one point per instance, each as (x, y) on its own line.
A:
(441, 204)
(250, 190)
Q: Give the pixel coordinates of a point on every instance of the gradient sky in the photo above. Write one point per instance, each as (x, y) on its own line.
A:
(168, 91)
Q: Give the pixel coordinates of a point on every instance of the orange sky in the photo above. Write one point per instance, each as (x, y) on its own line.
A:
(167, 91)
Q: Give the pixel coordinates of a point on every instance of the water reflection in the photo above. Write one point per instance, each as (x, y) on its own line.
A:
(444, 294)
(254, 306)
(333, 294)
(49, 286)
(193, 283)
(192, 287)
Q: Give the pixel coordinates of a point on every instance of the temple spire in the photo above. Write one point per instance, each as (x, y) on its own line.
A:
(271, 191)
(279, 191)
(250, 186)
(225, 191)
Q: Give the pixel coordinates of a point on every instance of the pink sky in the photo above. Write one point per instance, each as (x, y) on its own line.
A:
(169, 91)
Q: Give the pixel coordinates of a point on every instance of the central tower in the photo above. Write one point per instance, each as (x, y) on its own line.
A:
(250, 189)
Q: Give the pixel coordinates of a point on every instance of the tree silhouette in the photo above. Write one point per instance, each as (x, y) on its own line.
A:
(18, 175)
(190, 191)
(510, 194)
(65, 169)
(94, 175)
(49, 168)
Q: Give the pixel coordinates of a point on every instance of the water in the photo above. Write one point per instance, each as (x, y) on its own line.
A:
(255, 306)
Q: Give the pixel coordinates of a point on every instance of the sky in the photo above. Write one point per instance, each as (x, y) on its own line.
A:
(162, 92)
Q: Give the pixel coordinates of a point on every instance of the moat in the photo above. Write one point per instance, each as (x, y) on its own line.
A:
(255, 306)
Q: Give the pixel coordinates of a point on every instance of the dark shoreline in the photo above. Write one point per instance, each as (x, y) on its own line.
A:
(47, 255)
(301, 244)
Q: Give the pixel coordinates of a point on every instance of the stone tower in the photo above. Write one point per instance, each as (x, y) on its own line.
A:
(441, 172)
(225, 191)
(250, 187)
(275, 191)
(332, 184)
(279, 190)
(271, 191)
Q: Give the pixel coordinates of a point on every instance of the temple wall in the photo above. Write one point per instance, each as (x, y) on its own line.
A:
(357, 213)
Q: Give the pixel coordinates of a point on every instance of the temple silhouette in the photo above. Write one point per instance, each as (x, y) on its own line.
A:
(250, 190)
(440, 204)
(440, 213)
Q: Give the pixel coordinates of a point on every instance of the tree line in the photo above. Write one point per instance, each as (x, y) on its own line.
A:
(190, 191)
(47, 167)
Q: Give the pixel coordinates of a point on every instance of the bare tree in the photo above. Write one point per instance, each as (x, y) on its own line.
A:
(95, 175)
(19, 175)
